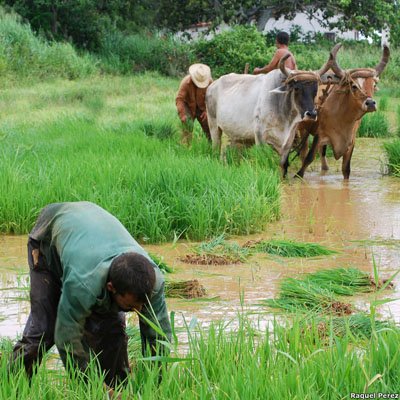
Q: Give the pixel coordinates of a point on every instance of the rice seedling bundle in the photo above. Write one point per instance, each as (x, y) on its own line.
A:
(184, 289)
(218, 246)
(359, 325)
(289, 248)
(161, 264)
(302, 295)
(342, 281)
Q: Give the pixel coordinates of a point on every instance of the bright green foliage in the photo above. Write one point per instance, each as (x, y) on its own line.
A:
(24, 55)
(229, 51)
(289, 248)
(374, 125)
(393, 154)
(84, 141)
(122, 53)
(286, 361)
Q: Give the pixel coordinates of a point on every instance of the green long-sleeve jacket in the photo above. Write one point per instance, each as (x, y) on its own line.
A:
(79, 241)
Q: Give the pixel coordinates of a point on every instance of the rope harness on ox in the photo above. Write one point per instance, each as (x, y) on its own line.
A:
(349, 78)
(303, 76)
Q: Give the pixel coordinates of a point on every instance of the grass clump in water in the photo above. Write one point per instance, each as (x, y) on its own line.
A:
(392, 150)
(289, 248)
(374, 125)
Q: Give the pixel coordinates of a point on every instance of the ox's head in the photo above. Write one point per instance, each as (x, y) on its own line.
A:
(359, 84)
(304, 87)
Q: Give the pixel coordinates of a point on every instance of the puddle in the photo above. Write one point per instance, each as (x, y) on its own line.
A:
(360, 219)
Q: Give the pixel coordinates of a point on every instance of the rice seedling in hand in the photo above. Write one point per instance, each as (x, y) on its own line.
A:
(289, 248)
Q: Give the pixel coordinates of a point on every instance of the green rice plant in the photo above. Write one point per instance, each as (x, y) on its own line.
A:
(160, 190)
(392, 150)
(190, 289)
(303, 295)
(25, 55)
(398, 120)
(159, 129)
(374, 125)
(289, 248)
(383, 103)
(342, 281)
(218, 246)
(161, 263)
(218, 362)
(359, 325)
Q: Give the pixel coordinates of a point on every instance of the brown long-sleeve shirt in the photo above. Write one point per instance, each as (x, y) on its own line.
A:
(191, 96)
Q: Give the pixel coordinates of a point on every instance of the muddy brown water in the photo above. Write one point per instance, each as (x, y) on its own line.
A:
(359, 218)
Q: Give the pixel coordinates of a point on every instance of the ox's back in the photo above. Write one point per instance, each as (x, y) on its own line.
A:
(233, 99)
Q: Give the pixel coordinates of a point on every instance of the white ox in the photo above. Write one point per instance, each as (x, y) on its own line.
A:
(257, 109)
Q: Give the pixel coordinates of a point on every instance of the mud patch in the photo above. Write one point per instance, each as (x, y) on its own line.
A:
(185, 289)
(208, 259)
(340, 308)
(381, 283)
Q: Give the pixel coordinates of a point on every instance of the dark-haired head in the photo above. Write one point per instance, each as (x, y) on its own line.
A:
(132, 273)
(282, 38)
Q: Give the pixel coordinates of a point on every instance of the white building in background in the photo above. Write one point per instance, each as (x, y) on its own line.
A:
(267, 23)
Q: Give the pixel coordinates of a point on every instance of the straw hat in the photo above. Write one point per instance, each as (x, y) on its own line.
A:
(200, 74)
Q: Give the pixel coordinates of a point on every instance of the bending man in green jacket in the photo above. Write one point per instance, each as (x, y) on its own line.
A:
(86, 271)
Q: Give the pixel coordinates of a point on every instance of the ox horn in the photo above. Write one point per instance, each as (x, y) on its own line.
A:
(334, 65)
(384, 60)
(332, 58)
(282, 67)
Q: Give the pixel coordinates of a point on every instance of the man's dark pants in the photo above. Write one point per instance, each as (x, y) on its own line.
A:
(104, 333)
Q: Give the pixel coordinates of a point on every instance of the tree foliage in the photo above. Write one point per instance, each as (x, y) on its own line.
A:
(85, 22)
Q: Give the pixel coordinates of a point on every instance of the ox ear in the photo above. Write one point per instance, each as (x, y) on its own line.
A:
(279, 90)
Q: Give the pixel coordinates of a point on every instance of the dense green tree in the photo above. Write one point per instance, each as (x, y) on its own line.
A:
(87, 22)
(84, 22)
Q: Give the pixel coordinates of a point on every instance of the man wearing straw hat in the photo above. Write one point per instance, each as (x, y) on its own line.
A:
(190, 100)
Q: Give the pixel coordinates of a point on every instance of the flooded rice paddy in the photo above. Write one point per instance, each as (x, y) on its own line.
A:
(360, 219)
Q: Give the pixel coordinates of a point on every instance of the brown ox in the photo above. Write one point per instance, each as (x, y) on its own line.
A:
(339, 115)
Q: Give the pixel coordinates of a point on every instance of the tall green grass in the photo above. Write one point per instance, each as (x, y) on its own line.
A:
(132, 53)
(25, 55)
(241, 361)
(159, 189)
(374, 125)
(392, 150)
